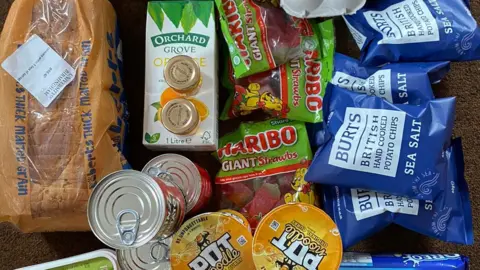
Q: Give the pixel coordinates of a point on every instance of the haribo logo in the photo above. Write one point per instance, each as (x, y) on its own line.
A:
(236, 28)
(417, 259)
(299, 249)
(313, 80)
(217, 255)
(261, 142)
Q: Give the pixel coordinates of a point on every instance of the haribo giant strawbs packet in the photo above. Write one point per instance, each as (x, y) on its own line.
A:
(294, 90)
(263, 166)
(262, 37)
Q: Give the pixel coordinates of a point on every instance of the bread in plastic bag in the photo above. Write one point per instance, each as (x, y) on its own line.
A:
(52, 157)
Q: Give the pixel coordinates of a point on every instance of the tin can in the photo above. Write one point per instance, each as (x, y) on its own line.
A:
(237, 216)
(155, 255)
(191, 178)
(297, 235)
(127, 209)
(180, 117)
(212, 241)
(183, 75)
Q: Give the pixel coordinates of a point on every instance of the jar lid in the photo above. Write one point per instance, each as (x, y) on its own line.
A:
(180, 116)
(212, 241)
(297, 235)
(155, 255)
(182, 73)
(126, 209)
(182, 171)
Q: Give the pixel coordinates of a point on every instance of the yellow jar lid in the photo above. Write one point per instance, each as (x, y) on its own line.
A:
(297, 236)
(182, 73)
(180, 116)
(212, 241)
(237, 216)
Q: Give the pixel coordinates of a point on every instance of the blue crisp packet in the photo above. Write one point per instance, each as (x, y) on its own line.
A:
(361, 213)
(401, 83)
(357, 261)
(376, 145)
(415, 31)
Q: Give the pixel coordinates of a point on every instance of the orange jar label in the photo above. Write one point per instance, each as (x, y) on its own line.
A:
(297, 236)
(212, 241)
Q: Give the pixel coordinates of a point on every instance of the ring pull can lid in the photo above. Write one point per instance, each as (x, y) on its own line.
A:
(159, 252)
(155, 255)
(128, 234)
(156, 172)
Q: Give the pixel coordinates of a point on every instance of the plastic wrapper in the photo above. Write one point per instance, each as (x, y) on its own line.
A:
(373, 144)
(294, 90)
(261, 36)
(415, 31)
(263, 166)
(355, 261)
(361, 213)
(53, 156)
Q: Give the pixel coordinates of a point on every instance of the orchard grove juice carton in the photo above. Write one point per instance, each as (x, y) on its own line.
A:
(181, 77)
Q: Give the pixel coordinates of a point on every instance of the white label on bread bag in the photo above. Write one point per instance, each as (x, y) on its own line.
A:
(409, 21)
(369, 140)
(39, 69)
(368, 204)
(378, 84)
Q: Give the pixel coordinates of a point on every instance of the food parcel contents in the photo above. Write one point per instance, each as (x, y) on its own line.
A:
(261, 37)
(128, 209)
(294, 90)
(415, 31)
(263, 166)
(237, 216)
(360, 213)
(104, 259)
(355, 261)
(193, 180)
(321, 8)
(212, 241)
(400, 83)
(297, 236)
(181, 76)
(155, 255)
(53, 156)
(392, 148)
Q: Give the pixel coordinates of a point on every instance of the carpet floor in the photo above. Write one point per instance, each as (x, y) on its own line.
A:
(17, 249)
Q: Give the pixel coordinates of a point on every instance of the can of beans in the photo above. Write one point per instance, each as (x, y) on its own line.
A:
(191, 178)
(128, 209)
(155, 255)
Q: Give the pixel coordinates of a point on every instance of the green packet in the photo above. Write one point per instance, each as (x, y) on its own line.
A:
(263, 37)
(262, 149)
(294, 90)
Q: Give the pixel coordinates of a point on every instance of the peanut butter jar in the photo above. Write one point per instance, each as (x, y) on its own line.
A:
(180, 117)
(183, 74)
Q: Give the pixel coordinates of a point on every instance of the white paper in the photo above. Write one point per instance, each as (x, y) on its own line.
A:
(321, 8)
(39, 69)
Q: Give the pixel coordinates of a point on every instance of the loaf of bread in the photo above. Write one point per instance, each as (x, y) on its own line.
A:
(52, 157)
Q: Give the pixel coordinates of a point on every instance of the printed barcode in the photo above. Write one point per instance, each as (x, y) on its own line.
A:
(241, 240)
(274, 225)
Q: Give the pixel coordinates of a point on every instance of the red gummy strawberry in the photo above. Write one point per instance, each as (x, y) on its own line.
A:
(263, 202)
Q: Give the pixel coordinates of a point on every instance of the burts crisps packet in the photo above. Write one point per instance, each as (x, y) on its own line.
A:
(294, 90)
(297, 236)
(263, 166)
(356, 261)
(361, 213)
(415, 31)
(263, 37)
(212, 241)
(376, 145)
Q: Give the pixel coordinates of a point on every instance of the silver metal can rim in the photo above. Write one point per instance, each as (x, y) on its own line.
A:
(190, 202)
(98, 189)
(126, 261)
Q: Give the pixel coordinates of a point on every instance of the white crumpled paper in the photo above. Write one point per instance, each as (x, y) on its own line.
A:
(321, 8)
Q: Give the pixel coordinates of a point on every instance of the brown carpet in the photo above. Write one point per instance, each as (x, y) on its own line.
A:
(17, 249)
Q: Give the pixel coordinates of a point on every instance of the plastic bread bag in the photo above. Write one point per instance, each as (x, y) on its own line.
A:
(263, 166)
(53, 156)
(399, 83)
(415, 31)
(361, 213)
(294, 90)
(355, 261)
(392, 148)
(261, 37)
